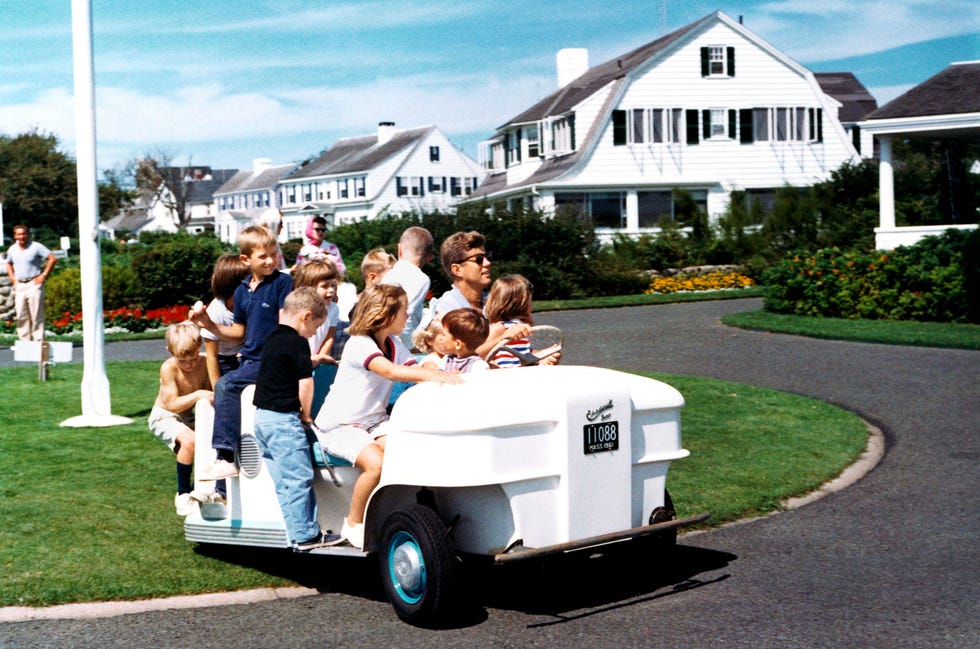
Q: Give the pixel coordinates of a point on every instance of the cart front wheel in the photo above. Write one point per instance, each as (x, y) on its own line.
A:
(418, 565)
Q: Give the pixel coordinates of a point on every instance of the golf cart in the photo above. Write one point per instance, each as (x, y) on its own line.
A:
(511, 464)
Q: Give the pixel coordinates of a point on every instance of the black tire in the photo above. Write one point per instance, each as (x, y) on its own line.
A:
(665, 541)
(419, 567)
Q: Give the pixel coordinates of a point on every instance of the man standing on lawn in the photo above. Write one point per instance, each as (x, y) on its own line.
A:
(24, 267)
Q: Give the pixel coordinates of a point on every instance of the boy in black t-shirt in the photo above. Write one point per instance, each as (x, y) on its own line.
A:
(283, 393)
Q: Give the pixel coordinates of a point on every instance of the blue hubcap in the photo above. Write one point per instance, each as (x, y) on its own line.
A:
(406, 567)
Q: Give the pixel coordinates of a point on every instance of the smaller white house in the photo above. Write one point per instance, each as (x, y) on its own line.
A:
(250, 197)
(392, 171)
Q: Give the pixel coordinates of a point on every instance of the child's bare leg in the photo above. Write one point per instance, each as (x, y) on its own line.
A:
(369, 462)
(185, 446)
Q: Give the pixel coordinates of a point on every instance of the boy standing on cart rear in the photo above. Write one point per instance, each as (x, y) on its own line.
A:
(283, 394)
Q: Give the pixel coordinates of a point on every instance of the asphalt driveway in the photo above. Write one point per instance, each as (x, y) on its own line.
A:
(889, 562)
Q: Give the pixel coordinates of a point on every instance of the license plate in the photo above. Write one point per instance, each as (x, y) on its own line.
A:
(601, 437)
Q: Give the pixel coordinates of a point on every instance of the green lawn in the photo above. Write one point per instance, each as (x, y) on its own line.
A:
(892, 332)
(87, 514)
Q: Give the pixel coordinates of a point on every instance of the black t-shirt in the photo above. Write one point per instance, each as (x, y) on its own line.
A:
(285, 360)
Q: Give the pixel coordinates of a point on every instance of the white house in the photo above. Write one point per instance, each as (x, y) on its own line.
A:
(181, 190)
(393, 171)
(250, 197)
(710, 108)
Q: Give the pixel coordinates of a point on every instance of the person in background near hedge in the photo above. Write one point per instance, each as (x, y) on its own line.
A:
(183, 382)
(317, 248)
(222, 355)
(28, 265)
(415, 249)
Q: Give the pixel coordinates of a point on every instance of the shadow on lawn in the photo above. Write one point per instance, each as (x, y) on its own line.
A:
(563, 588)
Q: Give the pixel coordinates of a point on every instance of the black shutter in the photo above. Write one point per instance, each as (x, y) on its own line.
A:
(399, 190)
(705, 63)
(691, 116)
(819, 125)
(745, 126)
(731, 61)
(732, 121)
(571, 130)
(519, 144)
(856, 138)
(619, 127)
(706, 124)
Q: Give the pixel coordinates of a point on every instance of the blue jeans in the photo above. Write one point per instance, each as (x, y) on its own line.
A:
(287, 456)
(227, 429)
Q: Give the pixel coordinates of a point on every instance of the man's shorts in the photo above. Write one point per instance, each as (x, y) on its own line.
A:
(347, 442)
(167, 425)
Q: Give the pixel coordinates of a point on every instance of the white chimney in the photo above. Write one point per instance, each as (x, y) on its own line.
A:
(573, 62)
(385, 131)
(261, 164)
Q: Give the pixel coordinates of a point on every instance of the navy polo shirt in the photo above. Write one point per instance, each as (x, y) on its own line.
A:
(258, 310)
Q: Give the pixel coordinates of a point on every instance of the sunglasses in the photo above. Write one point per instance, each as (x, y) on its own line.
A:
(319, 229)
(477, 258)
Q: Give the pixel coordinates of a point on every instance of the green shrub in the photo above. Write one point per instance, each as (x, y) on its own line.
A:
(63, 291)
(176, 269)
(928, 281)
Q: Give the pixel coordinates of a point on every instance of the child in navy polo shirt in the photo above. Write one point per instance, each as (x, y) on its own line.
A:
(257, 301)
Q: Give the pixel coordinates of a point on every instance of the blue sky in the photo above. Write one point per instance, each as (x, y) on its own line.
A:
(221, 82)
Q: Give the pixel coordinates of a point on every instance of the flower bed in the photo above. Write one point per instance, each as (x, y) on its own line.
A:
(122, 319)
(707, 282)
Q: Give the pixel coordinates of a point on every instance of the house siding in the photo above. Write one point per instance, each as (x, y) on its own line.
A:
(676, 83)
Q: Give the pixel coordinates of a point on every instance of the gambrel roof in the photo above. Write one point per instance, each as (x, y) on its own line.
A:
(360, 153)
(596, 78)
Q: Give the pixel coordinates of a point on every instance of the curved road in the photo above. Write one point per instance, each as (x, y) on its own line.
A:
(888, 562)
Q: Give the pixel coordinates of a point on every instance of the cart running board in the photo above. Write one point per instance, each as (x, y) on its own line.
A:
(520, 553)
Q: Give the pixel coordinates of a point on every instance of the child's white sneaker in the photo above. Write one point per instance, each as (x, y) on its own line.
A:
(354, 534)
(217, 471)
(184, 504)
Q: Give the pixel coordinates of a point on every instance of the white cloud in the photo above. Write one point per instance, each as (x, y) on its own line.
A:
(835, 29)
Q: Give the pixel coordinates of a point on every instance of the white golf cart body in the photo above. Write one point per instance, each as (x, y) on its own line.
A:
(518, 462)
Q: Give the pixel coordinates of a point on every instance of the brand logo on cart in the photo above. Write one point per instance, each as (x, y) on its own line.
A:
(595, 413)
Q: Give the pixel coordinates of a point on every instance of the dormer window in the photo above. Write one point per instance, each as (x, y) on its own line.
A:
(717, 61)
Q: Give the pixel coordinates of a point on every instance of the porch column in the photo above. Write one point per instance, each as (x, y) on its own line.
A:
(632, 211)
(886, 185)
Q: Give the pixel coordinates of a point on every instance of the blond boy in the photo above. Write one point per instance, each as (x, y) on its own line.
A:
(375, 265)
(183, 382)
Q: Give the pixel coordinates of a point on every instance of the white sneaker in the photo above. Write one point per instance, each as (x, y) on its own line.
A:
(219, 470)
(184, 504)
(207, 497)
(354, 534)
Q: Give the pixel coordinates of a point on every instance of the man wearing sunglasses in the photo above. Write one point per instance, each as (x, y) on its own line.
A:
(467, 264)
(466, 261)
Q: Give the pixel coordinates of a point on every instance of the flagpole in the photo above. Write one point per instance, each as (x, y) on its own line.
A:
(96, 406)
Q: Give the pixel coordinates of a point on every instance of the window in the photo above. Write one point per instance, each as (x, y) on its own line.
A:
(455, 186)
(469, 185)
(437, 184)
(647, 125)
(409, 186)
(433, 154)
(533, 148)
(558, 135)
(718, 128)
(654, 208)
(605, 209)
(717, 61)
(514, 147)
(760, 124)
(342, 190)
(360, 186)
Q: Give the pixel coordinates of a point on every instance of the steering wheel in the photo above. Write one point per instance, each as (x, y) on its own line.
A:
(545, 341)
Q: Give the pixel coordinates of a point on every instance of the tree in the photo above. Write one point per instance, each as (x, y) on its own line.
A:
(38, 186)
(171, 186)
